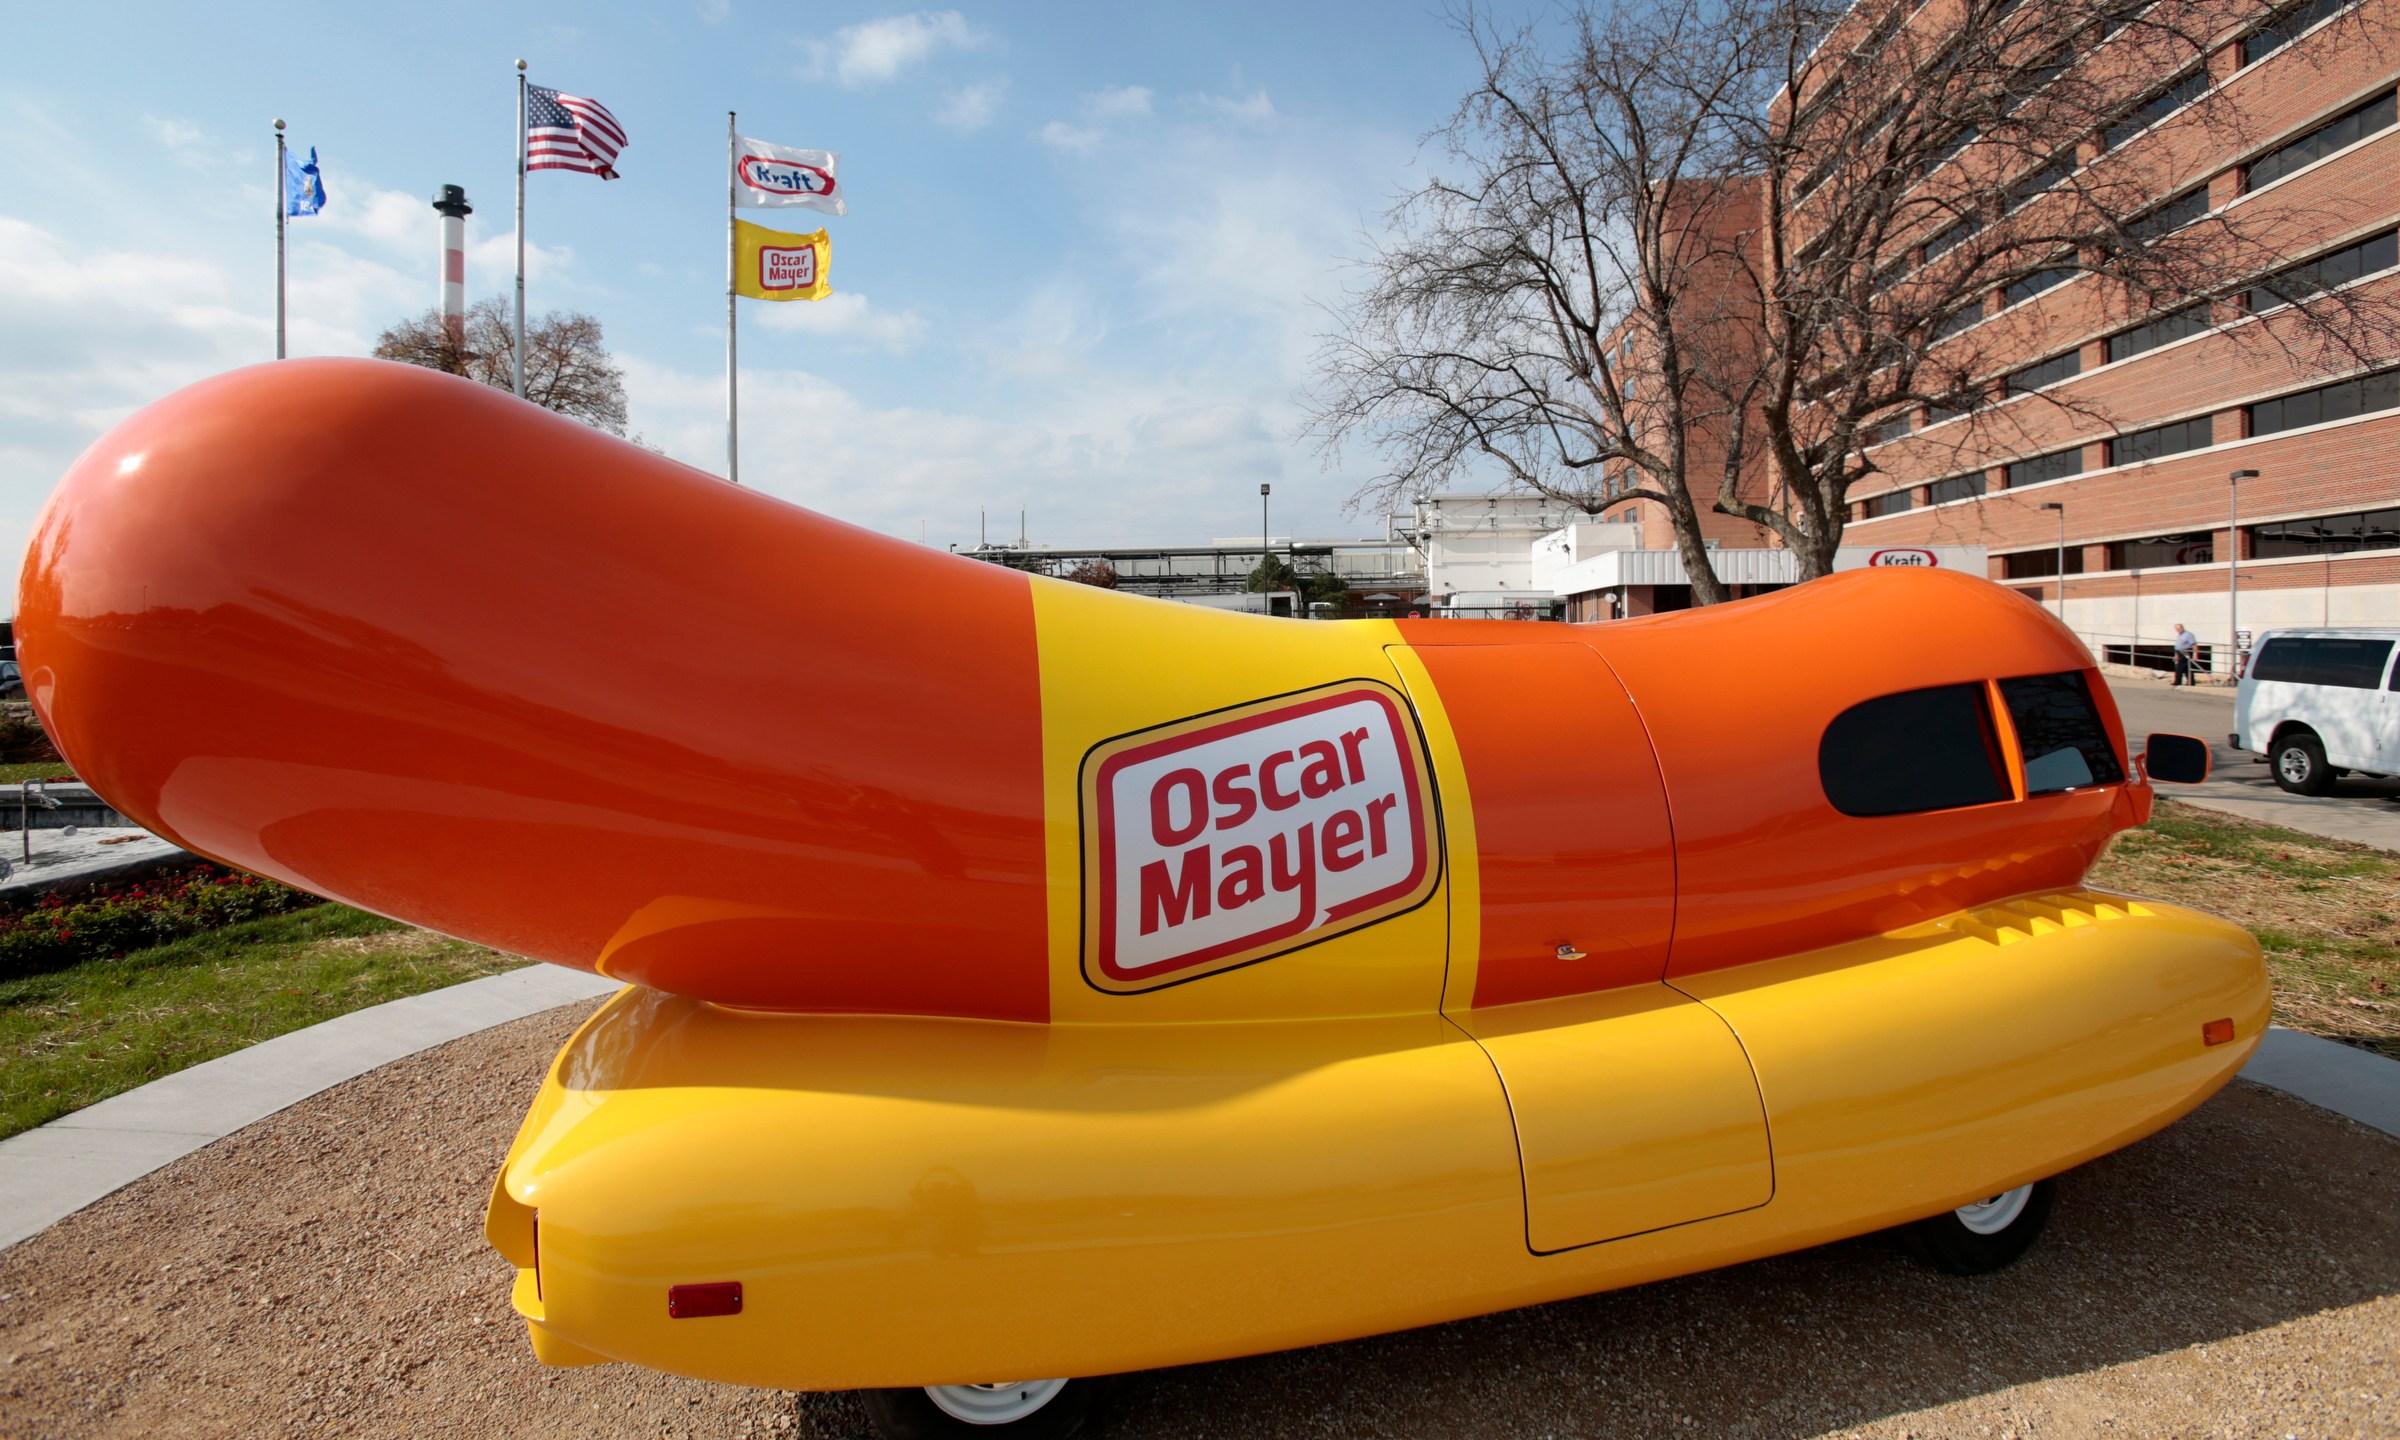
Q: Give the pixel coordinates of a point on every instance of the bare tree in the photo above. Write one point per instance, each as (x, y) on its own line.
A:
(567, 364)
(1710, 252)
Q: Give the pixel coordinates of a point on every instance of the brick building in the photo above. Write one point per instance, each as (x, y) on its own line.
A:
(2110, 438)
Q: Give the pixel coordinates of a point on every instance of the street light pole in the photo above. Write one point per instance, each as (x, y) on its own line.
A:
(2062, 557)
(1263, 552)
(2233, 571)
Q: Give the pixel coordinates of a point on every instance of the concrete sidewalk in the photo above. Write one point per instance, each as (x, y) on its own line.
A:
(2366, 811)
(54, 1170)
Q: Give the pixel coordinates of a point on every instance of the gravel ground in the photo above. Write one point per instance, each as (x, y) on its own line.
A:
(323, 1273)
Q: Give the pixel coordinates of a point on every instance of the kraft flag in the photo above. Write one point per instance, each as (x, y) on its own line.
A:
(303, 186)
(769, 175)
(771, 265)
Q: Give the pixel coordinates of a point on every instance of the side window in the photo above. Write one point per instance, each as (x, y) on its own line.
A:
(1915, 751)
(2350, 664)
(2059, 733)
(2277, 660)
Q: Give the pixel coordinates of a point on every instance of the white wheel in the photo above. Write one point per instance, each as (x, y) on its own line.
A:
(1990, 1217)
(1001, 1404)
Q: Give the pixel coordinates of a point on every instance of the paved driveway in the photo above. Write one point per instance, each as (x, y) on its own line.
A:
(2360, 809)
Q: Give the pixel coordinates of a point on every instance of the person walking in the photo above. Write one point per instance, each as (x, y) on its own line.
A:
(2187, 646)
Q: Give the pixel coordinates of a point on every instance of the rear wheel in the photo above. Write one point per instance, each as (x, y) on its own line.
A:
(1019, 1409)
(1985, 1236)
(2298, 762)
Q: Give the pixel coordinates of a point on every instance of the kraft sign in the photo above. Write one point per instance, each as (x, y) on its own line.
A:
(1237, 836)
(784, 177)
(1969, 558)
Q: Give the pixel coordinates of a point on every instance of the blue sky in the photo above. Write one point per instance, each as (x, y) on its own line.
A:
(1079, 274)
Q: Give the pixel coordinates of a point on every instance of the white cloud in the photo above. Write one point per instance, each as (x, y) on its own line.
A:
(876, 51)
(1252, 109)
(1105, 111)
(713, 12)
(1118, 103)
(188, 141)
(971, 107)
(1059, 135)
(846, 316)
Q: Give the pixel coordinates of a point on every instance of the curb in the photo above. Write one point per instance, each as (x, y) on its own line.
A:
(2351, 1082)
(54, 1170)
(51, 1171)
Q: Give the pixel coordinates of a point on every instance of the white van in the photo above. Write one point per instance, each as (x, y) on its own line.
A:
(2319, 704)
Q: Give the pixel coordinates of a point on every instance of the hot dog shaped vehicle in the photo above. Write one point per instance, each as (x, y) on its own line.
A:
(1026, 980)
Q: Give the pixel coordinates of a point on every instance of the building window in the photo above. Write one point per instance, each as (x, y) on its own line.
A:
(2327, 534)
(2060, 736)
(2350, 664)
(1912, 752)
(2122, 18)
(2288, 25)
(1891, 502)
(2165, 330)
(2338, 401)
(2057, 465)
(2170, 217)
(1960, 320)
(2173, 96)
(2327, 272)
(2347, 128)
(2040, 182)
(2162, 440)
(1943, 240)
(2049, 372)
(1958, 142)
(1892, 429)
(2195, 548)
(2036, 283)
(2040, 564)
(1957, 487)
(1968, 403)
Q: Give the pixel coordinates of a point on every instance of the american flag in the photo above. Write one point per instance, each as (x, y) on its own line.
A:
(568, 132)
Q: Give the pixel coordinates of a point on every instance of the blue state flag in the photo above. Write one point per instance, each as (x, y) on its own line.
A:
(303, 187)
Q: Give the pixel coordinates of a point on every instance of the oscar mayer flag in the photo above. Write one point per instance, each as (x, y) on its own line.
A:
(775, 265)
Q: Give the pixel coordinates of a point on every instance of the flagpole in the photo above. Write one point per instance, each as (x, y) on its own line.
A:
(282, 203)
(733, 250)
(519, 364)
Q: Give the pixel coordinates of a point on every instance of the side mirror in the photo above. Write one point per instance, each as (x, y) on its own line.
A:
(2176, 759)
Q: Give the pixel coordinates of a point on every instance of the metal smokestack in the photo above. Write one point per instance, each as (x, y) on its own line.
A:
(451, 204)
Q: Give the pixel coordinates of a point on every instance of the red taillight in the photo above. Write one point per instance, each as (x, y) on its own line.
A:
(692, 1302)
(2216, 1032)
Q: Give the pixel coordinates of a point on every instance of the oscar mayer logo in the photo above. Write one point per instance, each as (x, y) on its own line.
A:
(1232, 837)
(787, 267)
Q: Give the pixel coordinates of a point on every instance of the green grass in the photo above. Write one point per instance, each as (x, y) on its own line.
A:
(2323, 911)
(11, 774)
(81, 1034)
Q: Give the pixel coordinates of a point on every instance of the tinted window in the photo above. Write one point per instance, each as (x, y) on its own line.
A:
(2277, 660)
(2328, 534)
(2345, 129)
(2327, 272)
(2281, 30)
(2161, 440)
(1957, 487)
(2059, 733)
(2166, 329)
(1918, 750)
(2049, 372)
(2054, 466)
(2349, 664)
(2339, 401)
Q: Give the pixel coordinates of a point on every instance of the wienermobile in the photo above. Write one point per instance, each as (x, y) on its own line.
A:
(1026, 980)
